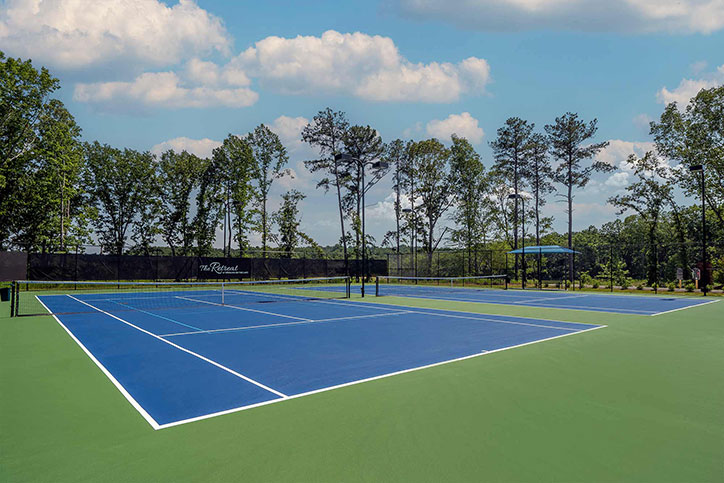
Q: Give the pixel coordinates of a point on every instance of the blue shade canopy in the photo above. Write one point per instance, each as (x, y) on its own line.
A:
(544, 249)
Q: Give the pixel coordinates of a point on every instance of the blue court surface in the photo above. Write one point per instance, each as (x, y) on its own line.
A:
(620, 304)
(177, 365)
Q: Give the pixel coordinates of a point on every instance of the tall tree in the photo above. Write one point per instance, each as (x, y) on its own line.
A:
(288, 221)
(696, 136)
(646, 196)
(209, 206)
(539, 175)
(25, 107)
(510, 150)
(396, 155)
(326, 132)
(120, 184)
(178, 175)
(365, 146)
(52, 214)
(234, 162)
(566, 139)
(434, 187)
(469, 182)
(270, 157)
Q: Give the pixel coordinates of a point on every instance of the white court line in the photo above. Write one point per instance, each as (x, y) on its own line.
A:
(543, 305)
(282, 324)
(154, 315)
(549, 298)
(205, 359)
(683, 308)
(242, 308)
(485, 319)
(383, 306)
(105, 371)
(360, 381)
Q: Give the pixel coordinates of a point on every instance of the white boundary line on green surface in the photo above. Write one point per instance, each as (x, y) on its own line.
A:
(283, 397)
(684, 308)
(374, 378)
(105, 371)
(205, 359)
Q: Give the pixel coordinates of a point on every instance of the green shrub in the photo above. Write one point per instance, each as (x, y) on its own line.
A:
(595, 284)
(671, 286)
(640, 286)
(689, 287)
(585, 279)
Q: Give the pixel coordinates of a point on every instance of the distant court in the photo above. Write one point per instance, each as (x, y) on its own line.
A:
(620, 304)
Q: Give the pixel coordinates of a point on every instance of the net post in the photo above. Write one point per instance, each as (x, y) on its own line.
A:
(377, 286)
(348, 287)
(222, 293)
(12, 299)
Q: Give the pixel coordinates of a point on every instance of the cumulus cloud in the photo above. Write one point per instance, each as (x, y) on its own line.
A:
(161, 89)
(80, 33)
(636, 16)
(463, 125)
(385, 210)
(618, 180)
(689, 88)
(642, 121)
(618, 151)
(200, 147)
(367, 66)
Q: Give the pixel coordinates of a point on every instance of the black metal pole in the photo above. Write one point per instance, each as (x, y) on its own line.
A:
(522, 203)
(705, 277)
(364, 250)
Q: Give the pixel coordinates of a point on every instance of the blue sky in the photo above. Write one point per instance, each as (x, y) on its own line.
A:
(151, 75)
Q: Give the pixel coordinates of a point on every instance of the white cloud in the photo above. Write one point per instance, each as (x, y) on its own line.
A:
(161, 89)
(367, 66)
(200, 147)
(637, 16)
(81, 33)
(385, 210)
(618, 151)
(689, 88)
(642, 121)
(618, 180)
(463, 125)
(289, 130)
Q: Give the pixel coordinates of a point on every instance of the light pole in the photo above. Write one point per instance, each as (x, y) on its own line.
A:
(704, 271)
(412, 245)
(379, 165)
(522, 202)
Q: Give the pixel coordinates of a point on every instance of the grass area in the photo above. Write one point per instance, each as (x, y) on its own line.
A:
(638, 401)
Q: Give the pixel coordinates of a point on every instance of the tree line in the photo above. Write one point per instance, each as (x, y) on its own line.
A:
(58, 192)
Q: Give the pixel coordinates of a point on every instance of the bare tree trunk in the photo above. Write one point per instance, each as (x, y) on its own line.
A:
(570, 219)
(341, 217)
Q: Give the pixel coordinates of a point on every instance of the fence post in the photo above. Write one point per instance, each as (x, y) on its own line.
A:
(656, 270)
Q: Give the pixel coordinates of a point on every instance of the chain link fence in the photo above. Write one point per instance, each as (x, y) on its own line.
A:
(616, 266)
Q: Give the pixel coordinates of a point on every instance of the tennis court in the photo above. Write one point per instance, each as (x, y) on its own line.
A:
(472, 289)
(190, 352)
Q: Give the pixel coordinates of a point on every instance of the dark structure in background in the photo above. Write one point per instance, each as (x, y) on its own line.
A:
(13, 266)
(71, 266)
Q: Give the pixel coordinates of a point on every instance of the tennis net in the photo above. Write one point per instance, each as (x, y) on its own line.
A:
(421, 286)
(55, 298)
